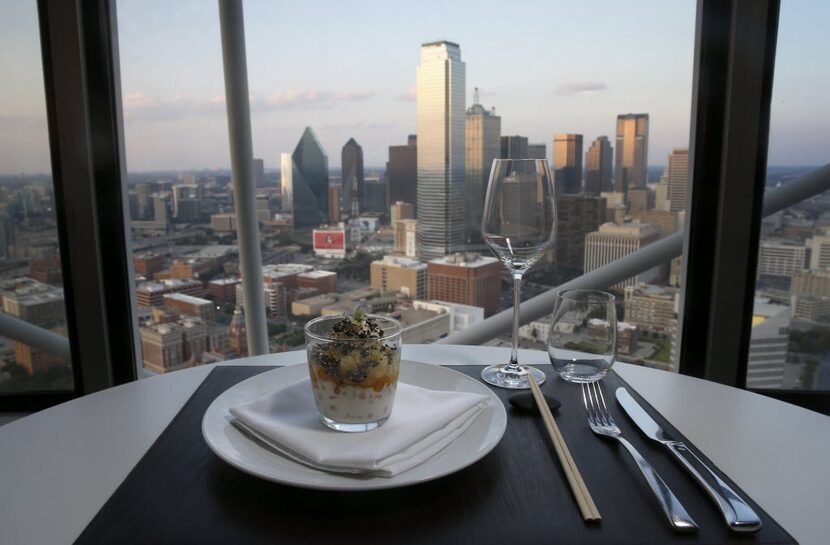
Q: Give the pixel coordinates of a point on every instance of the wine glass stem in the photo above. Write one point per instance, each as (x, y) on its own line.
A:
(517, 301)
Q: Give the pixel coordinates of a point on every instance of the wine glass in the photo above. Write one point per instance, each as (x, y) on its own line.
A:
(518, 224)
(583, 335)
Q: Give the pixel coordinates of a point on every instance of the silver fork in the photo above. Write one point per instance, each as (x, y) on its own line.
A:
(602, 423)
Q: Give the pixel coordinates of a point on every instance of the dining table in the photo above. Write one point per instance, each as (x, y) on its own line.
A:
(60, 466)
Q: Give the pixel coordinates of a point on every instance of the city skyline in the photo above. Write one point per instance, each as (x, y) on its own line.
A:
(172, 82)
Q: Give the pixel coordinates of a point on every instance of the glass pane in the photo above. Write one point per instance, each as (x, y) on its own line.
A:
(790, 345)
(364, 177)
(31, 285)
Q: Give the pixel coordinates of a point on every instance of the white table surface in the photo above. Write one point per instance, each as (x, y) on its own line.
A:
(59, 466)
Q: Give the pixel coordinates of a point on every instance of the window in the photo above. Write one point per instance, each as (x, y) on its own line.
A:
(31, 281)
(790, 344)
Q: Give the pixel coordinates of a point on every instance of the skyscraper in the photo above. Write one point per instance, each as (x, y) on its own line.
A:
(567, 163)
(514, 147)
(402, 172)
(577, 216)
(537, 151)
(483, 145)
(352, 166)
(632, 152)
(259, 173)
(677, 179)
(611, 242)
(305, 182)
(598, 164)
(441, 150)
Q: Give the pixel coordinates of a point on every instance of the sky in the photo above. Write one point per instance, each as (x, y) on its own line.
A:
(347, 69)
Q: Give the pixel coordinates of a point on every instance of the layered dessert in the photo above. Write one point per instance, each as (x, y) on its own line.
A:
(354, 369)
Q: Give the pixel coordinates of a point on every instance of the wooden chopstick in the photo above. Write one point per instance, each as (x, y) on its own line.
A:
(580, 491)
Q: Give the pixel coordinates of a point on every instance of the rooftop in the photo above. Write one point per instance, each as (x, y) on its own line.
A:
(402, 262)
(187, 299)
(226, 281)
(465, 260)
(317, 274)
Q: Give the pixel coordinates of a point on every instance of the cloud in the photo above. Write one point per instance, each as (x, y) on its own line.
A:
(580, 88)
(408, 95)
(139, 105)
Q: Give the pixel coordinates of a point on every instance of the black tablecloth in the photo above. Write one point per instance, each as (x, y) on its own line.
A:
(181, 492)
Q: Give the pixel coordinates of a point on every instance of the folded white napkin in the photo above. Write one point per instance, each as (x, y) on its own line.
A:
(421, 424)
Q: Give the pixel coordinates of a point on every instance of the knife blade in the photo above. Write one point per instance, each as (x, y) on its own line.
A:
(739, 516)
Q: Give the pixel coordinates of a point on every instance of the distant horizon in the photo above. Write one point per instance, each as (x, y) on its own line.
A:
(6, 176)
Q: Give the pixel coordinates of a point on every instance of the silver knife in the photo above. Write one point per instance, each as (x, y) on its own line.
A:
(738, 514)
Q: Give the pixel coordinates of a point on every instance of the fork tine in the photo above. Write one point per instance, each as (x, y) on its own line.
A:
(586, 399)
(599, 402)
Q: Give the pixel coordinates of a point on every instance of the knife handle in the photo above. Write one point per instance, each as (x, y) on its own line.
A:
(738, 514)
(679, 519)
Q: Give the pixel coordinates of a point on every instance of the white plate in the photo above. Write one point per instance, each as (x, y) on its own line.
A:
(239, 451)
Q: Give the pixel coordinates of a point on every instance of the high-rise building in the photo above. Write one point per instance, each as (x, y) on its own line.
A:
(537, 151)
(161, 209)
(334, 202)
(598, 167)
(401, 274)
(259, 172)
(483, 145)
(768, 345)
(406, 240)
(778, 260)
(352, 167)
(514, 147)
(186, 201)
(667, 221)
(7, 234)
(631, 165)
(577, 215)
(652, 308)
(441, 150)
(567, 163)
(401, 211)
(612, 242)
(812, 282)
(305, 182)
(375, 196)
(819, 246)
(677, 179)
(469, 279)
(402, 172)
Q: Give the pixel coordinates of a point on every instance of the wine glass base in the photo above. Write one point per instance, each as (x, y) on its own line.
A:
(504, 376)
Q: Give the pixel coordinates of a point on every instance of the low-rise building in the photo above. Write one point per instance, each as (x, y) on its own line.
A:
(422, 326)
(468, 279)
(151, 294)
(192, 306)
(322, 281)
(223, 290)
(408, 276)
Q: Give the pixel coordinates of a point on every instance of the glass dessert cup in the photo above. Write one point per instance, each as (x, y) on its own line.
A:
(354, 363)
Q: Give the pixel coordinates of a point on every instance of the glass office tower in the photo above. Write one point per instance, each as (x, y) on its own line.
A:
(632, 152)
(441, 150)
(305, 182)
(483, 145)
(351, 195)
(567, 163)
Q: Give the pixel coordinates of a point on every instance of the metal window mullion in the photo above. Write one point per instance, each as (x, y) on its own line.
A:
(239, 132)
(734, 58)
(72, 177)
